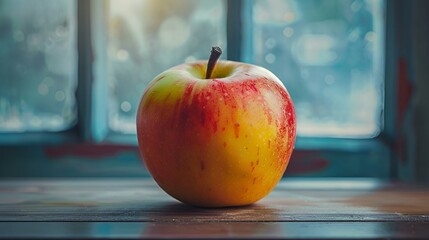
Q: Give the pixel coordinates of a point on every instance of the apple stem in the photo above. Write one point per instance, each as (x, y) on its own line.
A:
(214, 56)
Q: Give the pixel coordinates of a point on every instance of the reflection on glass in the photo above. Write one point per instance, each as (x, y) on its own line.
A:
(37, 65)
(329, 54)
(147, 37)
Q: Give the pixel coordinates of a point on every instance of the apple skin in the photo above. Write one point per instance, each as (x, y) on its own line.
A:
(224, 141)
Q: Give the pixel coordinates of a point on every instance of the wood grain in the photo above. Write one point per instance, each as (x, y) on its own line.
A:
(318, 203)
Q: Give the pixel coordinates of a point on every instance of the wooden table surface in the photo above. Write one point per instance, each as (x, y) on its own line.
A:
(137, 208)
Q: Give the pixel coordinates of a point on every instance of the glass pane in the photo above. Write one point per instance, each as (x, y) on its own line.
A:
(147, 37)
(329, 54)
(37, 65)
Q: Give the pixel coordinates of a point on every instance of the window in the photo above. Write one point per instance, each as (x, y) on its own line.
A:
(147, 37)
(329, 54)
(38, 65)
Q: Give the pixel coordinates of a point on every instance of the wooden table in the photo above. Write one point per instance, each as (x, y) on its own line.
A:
(137, 208)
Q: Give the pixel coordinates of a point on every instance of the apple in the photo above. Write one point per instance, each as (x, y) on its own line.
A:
(217, 134)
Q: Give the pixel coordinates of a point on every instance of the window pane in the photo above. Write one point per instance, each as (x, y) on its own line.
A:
(329, 54)
(146, 38)
(37, 65)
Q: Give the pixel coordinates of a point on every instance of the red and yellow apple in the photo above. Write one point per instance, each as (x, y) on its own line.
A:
(224, 140)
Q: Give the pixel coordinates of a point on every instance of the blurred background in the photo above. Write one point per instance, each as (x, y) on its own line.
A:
(72, 73)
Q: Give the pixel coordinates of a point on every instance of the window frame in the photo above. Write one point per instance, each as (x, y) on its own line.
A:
(376, 156)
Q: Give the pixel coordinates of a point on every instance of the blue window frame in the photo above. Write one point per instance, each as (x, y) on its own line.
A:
(315, 155)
